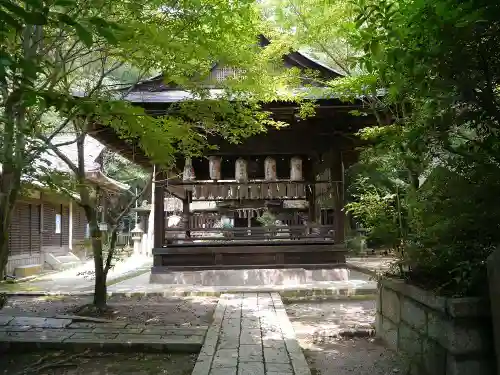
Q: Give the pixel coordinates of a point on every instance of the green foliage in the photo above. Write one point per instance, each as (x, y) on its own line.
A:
(319, 28)
(378, 214)
(437, 62)
(267, 219)
(455, 228)
(356, 244)
(66, 65)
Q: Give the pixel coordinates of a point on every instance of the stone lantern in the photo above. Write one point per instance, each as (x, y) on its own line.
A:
(137, 235)
(140, 228)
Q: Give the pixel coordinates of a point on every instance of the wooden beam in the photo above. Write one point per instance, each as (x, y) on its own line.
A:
(186, 213)
(159, 214)
(250, 182)
(337, 169)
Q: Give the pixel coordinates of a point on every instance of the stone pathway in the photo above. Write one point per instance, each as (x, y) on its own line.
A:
(54, 333)
(251, 335)
(74, 279)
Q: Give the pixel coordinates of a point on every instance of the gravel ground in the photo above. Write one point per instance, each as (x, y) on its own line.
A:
(316, 326)
(62, 363)
(139, 310)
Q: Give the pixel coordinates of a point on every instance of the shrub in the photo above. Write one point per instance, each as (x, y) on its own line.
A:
(454, 227)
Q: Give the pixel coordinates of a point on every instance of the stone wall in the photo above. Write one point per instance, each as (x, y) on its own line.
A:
(494, 284)
(437, 335)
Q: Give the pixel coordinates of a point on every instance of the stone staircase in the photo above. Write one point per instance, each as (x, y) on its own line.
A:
(62, 262)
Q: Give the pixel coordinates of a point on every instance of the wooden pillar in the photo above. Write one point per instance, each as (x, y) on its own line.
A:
(186, 212)
(311, 198)
(310, 176)
(159, 213)
(337, 175)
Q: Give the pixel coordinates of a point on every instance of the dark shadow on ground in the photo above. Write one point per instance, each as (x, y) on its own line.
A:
(69, 363)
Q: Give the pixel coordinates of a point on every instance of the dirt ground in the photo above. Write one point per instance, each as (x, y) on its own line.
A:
(151, 310)
(317, 326)
(63, 363)
(185, 311)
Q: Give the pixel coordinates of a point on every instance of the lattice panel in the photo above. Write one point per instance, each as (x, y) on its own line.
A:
(266, 190)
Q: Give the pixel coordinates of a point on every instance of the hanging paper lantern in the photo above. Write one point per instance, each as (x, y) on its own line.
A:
(214, 167)
(188, 173)
(270, 169)
(296, 169)
(241, 174)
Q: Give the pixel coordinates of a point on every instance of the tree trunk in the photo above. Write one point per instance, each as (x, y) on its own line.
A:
(100, 288)
(9, 191)
(4, 248)
(100, 293)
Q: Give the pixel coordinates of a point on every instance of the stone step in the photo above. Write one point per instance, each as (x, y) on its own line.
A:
(32, 333)
(27, 341)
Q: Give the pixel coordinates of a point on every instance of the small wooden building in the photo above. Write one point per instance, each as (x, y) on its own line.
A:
(48, 228)
(304, 162)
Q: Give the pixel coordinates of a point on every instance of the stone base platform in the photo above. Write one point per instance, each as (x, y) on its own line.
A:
(252, 277)
(32, 333)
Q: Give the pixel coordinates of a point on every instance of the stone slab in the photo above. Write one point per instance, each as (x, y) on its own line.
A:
(5, 319)
(225, 358)
(175, 331)
(413, 314)
(35, 336)
(274, 355)
(251, 368)
(468, 307)
(129, 331)
(250, 353)
(250, 336)
(391, 307)
(15, 328)
(458, 338)
(389, 333)
(82, 325)
(494, 291)
(422, 296)
(224, 371)
(433, 358)
(203, 365)
(409, 341)
(41, 334)
(40, 322)
(279, 368)
(469, 366)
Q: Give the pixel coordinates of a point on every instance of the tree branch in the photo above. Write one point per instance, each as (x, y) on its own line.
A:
(117, 220)
(61, 155)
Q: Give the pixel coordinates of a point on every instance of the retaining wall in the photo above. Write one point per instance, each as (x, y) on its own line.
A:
(437, 335)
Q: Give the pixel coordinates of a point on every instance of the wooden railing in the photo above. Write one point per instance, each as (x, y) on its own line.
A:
(277, 233)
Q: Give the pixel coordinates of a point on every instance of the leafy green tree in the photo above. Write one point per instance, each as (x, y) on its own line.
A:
(63, 61)
(438, 65)
(429, 72)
